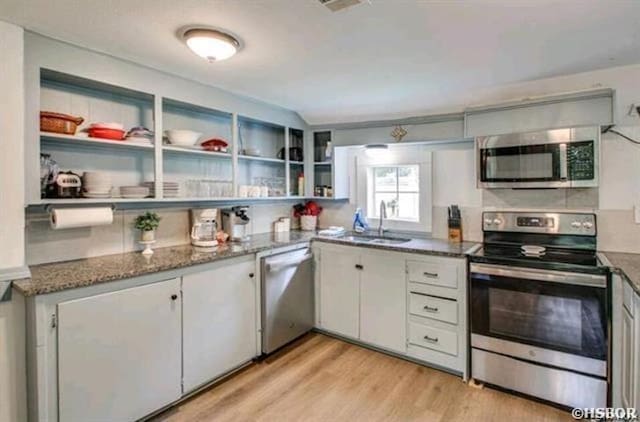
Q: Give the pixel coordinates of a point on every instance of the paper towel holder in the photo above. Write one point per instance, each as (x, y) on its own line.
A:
(49, 207)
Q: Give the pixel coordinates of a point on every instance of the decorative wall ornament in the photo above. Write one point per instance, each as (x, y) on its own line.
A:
(398, 133)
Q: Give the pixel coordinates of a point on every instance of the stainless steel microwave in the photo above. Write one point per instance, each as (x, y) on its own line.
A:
(559, 158)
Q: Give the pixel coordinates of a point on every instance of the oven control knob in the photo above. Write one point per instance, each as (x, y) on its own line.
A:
(488, 221)
(576, 224)
(587, 225)
(497, 221)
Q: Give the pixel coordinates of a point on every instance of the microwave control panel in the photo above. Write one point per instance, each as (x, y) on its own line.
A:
(581, 160)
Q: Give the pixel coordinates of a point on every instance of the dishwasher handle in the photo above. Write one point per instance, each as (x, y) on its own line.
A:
(276, 266)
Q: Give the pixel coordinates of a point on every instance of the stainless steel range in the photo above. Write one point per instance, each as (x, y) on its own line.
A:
(540, 307)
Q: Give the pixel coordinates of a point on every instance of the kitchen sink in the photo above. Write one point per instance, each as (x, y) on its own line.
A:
(376, 240)
(389, 240)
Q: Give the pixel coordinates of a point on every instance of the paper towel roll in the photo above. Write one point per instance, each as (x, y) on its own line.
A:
(68, 218)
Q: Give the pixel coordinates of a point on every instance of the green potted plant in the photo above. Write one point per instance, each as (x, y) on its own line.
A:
(147, 223)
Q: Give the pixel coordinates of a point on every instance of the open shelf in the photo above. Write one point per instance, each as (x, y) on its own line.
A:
(264, 159)
(76, 140)
(196, 151)
(282, 149)
(88, 201)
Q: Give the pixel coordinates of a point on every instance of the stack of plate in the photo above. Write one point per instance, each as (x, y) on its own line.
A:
(169, 190)
(134, 192)
(96, 184)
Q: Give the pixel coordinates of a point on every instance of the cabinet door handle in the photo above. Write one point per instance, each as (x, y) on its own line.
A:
(431, 339)
(359, 267)
(174, 297)
(430, 309)
(430, 275)
(251, 275)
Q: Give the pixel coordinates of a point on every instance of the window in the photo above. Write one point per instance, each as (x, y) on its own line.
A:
(399, 188)
(401, 177)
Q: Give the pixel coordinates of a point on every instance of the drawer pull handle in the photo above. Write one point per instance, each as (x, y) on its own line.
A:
(359, 267)
(430, 309)
(430, 275)
(431, 339)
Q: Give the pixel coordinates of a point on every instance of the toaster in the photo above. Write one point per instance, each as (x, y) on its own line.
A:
(68, 185)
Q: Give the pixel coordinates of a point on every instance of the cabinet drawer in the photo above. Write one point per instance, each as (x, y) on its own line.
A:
(433, 338)
(433, 307)
(437, 273)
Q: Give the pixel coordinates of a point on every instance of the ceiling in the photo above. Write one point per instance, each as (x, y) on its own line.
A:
(386, 59)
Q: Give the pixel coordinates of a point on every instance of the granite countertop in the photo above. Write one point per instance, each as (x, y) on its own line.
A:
(58, 276)
(428, 246)
(628, 265)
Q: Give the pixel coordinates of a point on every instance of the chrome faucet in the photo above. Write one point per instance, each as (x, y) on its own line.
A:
(383, 215)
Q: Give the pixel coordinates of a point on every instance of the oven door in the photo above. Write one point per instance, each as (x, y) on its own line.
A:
(537, 165)
(551, 317)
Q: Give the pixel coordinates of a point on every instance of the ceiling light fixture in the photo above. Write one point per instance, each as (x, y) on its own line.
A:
(376, 150)
(211, 44)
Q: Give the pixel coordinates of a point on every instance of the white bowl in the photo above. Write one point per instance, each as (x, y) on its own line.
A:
(253, 152)
(182, 137)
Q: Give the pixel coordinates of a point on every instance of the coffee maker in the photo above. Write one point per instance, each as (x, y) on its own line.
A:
(204, 226)
(235, 222)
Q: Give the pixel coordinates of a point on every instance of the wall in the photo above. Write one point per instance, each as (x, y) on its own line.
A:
(614, 201)
(12, 341)
(453, 182)
(47, 245)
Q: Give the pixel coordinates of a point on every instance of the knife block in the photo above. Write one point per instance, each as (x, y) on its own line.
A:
(455, 230)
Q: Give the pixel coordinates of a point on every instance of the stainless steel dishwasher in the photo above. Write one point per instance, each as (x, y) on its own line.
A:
(287, 298)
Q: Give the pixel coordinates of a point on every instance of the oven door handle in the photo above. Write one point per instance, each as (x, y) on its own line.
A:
(581, 279)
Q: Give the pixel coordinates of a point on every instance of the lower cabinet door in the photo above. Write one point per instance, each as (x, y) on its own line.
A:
(219, 321)
(340, 290)
(383, 301)
(119, 353)
(628, 360)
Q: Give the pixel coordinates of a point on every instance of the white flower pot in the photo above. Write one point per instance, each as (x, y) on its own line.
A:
(148, 236)
(308, 222)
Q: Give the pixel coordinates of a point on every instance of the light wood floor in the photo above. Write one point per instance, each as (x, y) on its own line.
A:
(320, 378)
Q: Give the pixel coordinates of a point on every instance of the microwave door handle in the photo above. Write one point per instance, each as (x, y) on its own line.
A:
(563, 162)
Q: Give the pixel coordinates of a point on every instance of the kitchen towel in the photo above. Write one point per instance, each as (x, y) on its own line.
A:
(68, 218)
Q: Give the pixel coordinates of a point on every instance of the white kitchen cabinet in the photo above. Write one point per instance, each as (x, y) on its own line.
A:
(383, 300)
(340, 290)
(627, 359)
(363, 295)
(219, 321)
(411, 304)
(626, 344)
(119, 353)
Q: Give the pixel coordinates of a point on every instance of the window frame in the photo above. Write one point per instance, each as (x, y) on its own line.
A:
(372, 191)
(400, 155)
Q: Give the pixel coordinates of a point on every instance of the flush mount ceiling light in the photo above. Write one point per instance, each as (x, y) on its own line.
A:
(211, 44)
(376, 150)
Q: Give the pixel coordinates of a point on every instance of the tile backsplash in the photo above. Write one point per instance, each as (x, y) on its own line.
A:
(47, 245)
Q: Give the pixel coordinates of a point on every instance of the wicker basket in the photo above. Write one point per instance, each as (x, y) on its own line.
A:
(59, 123)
